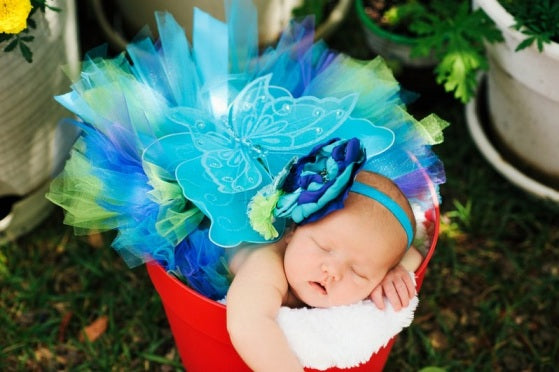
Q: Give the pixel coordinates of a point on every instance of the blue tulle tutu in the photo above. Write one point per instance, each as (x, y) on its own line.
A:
(176, 136)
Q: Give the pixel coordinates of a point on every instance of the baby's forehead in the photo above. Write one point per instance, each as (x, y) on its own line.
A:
(361, 222)
(380, 183)
(369, 206)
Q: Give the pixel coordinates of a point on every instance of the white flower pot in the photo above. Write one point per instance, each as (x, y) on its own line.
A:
(523, 96)
(34, 145)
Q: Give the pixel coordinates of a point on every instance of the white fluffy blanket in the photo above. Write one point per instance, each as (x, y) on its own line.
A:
(343, 336)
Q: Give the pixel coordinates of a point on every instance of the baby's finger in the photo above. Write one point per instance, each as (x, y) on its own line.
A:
(410, 286)
(392, 295)
(377, 298)
(402, 290)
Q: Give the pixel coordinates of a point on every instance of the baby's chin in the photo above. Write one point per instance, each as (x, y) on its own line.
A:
(311, 299)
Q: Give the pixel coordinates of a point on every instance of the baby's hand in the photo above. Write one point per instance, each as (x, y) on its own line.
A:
(397, 286)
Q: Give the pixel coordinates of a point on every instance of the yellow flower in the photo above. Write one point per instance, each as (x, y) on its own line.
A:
(13, 15)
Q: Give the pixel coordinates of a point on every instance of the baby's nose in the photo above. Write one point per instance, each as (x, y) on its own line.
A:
(332, 271)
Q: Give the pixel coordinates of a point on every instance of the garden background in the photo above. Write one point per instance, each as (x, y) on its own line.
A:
(490, 300)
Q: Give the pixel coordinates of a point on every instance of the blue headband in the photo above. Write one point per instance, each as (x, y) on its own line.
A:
(388, 203)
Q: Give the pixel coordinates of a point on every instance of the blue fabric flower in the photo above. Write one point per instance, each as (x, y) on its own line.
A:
(202, 265)
(319, 183)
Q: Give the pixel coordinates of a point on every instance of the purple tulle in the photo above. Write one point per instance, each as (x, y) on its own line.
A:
(203, 265)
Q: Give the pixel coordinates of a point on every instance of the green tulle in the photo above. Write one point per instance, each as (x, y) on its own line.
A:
(77, 191)
(431, 127)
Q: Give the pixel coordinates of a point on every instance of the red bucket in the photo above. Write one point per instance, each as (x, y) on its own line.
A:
(199, 324)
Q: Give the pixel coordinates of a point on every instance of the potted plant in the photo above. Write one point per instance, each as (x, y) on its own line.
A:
(36, 38)
(446, 36)
(273, 16)
(522, 95)
(508, 38)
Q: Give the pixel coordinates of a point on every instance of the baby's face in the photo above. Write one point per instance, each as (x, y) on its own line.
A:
(338, 260)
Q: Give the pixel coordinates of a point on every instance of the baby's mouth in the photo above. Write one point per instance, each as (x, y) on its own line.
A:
(319, 287)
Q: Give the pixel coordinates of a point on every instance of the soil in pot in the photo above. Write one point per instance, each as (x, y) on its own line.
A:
(376, 9)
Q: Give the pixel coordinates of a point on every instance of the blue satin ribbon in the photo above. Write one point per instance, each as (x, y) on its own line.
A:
(387, 202)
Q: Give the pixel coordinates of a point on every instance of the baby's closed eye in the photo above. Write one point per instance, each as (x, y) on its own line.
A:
(324, 248)
(359, 275)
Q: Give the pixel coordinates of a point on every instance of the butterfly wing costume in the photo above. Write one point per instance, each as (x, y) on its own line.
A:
(178, 139)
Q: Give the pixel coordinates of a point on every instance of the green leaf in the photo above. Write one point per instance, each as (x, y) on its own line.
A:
(403, 13)
(5, 37)
(422, 27)
(457, 72)
(26, 52)
(455, 35)
(11, 46)
(53, 8)
(539, 20)
(525, 43)
(39, 4)
(540, 42)
(31, 23)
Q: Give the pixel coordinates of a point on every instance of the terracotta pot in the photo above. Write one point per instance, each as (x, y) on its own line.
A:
(34, 144)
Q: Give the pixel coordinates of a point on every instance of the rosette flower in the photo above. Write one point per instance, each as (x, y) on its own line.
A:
(318, 183)
(311, 188)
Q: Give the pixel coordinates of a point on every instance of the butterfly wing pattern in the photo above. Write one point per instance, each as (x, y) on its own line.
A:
(221, 161)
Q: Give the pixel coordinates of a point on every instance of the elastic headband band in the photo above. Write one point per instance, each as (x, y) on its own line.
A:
(388, 203)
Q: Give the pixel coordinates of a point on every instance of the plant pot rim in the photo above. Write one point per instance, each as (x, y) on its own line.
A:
(505, 21)
(376, 29)
(499, 162)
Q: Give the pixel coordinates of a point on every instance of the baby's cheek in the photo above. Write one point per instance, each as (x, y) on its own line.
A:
(364, 283)
(365, 289)
(353, 292)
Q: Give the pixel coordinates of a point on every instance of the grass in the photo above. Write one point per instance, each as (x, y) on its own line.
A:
(489, 301)
(55, 284)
